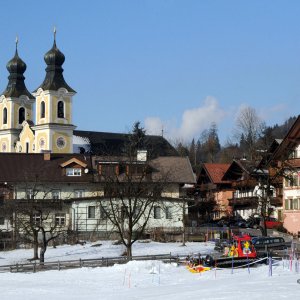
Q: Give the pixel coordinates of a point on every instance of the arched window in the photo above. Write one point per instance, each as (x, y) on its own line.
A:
(60, 109)
(4, 115)
(21, 115)
(43, 109)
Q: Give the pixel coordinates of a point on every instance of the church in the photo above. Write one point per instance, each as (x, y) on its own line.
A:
(53, 130)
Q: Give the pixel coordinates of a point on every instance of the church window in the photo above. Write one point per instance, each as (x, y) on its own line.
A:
(4, 115)
(60, 109)
(43, 109)
(21, 115)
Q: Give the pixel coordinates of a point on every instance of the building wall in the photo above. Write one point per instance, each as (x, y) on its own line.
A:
(82, 222)
(291, 209)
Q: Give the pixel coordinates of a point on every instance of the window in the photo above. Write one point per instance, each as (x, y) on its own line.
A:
(295, 203)
(4, 115)
(43, 109)
(60, 109)
(21, 115)
(29, 194)
(73, 172)
(55, 194)
(286, 204)
(36, 218)
(137, 212)
(291, 204)
(78, 193)
(108, 169)
(60, 219)
(157, 214)
(91, 212)
(124, 212)
(103, 212)
(168, 213)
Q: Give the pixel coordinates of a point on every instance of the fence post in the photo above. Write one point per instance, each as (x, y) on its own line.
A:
(80, 263)
(34, 267)
(17, 267)
(58, 265)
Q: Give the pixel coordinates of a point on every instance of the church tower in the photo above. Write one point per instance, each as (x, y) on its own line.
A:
(16, 104)
(54, 130)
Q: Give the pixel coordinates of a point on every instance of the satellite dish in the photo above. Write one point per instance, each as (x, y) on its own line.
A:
(86, 171)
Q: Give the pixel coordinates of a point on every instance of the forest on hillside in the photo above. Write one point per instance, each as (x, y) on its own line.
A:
(251, 139)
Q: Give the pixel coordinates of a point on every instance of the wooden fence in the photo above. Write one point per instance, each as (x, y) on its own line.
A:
(98, 262)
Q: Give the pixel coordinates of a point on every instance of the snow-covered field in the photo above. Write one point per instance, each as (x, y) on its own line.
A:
(144, 279)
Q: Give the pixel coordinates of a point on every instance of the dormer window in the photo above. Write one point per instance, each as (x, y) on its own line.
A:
(73, 171)
(74, 167)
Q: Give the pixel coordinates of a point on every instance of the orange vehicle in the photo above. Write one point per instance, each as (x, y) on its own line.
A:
(242, 247)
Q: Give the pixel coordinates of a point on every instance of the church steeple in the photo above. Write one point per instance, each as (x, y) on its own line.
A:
(54, 129)
(54, 79)
(16, 85)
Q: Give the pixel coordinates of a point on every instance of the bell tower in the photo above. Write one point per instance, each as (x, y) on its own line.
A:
(16, 104)
(54, 97)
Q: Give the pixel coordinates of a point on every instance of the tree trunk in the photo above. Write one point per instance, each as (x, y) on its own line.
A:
(42, 254)
(43, 247)
(35, 245)
(129, 251)
(263, 227)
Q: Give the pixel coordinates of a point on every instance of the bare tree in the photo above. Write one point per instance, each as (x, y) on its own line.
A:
(37, 218)
(249, 127)
(132, 189)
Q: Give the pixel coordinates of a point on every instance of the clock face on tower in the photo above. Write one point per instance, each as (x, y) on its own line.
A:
(61, 142)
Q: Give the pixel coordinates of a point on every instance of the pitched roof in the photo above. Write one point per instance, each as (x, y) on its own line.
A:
(108, 143)
(288, 144)
(24, 167)
(176, 169)
(216, 172)
(172, 169)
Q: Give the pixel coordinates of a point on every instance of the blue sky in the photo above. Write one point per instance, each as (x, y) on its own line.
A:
(179, 65)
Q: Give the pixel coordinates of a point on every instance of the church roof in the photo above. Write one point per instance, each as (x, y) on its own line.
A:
(16, 85)
(54, 79)
(107, 143)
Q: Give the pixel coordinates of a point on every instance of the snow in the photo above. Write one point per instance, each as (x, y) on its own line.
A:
(144, 279)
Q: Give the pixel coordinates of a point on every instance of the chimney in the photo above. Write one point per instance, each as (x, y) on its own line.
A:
(47, 154)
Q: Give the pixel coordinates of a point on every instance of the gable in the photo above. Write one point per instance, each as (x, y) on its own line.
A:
(73, 162)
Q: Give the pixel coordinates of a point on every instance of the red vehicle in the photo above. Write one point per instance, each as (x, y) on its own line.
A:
(272, 223)
(242, 247)
(240, 252)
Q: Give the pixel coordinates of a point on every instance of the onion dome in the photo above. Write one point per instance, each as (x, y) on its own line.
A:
(16, 85)
(54, 79)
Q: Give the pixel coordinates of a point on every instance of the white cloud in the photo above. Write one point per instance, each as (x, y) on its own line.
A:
(193, 121)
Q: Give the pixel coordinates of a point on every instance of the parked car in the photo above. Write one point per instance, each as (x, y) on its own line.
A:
(209, 225)
(269, 243)
(272, 223)
(256, 222)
